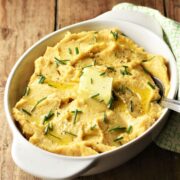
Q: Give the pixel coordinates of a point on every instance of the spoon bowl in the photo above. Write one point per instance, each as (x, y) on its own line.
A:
(166, 102)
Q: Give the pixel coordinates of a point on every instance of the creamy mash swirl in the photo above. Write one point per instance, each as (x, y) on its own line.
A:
(91, 93)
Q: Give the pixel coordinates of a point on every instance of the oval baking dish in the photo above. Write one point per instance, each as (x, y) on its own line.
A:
(44, 164)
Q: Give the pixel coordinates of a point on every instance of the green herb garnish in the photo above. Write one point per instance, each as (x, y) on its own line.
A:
(27, 112)
(131, 106)
(118, 139)
(115, 35)
(41, 79)
(122, 89)
(91, 81)
(70, 133)
(94, 63)
(27, 91)
(117, 128)
(145, 60)
(87, 66)
(93, 127)
(94, 96)
(58, 61)
(111, 68)
(69, 50)
(102, 74)
(110, 103)
(129, 129)
(48, 128)
(48, 116)
(75, 115)
(58, 113)
(105, 120)
(76, 50)
(39, 101)
(125, 71)
(145, 70)
(54, 136)
(151, 85)
(124, 34)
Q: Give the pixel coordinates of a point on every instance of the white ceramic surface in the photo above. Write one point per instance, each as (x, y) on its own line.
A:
(134, 17)
(52, 166)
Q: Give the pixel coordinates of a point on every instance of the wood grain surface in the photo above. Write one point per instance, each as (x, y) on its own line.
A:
(22, 23)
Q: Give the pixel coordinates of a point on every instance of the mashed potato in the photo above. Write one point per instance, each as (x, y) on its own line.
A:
(91, 93)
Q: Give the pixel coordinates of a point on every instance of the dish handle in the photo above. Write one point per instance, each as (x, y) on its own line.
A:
(48, 165)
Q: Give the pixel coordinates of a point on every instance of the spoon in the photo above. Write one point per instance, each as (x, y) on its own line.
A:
(165, 102)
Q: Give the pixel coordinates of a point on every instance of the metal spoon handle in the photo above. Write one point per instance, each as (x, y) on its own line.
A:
(171, 104)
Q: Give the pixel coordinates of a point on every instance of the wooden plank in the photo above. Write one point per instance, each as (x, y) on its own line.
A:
(152, 164)
(173, 9)
(22, 23)
(32, 20)
(73, 11)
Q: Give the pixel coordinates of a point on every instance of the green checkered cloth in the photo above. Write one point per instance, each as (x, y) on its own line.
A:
(169, 137)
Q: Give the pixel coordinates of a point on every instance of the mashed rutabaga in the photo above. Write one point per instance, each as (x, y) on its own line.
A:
(91, 93)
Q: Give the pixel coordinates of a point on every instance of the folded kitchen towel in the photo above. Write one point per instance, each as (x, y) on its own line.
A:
(169, 137)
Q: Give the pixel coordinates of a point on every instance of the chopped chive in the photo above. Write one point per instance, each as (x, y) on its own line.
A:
(110, 103)
(101, 100)
(111, 68)
(54, 136)
(76, 50)
(41, 79)
(151, 85)
(58, 61)
(48, 116)
(131, 106)
(94, 62)
(115, 35)
(122, 89)
(75, 115)
(118, 139)
(105, 120)
(58, 113)
(145, 60)
(27, 112)
(70, 133)
(95, 38)
(102, 74)
(94, 96)
(39, 101)
(87, 66)
(79, 111)
(117, 128)
(69, 50)
(125, 71)
(27, 91)
(91, 81)
(48, 127)
(129, 129)
(124, 34)
(93, 127)
(125, 66)
(145, 70)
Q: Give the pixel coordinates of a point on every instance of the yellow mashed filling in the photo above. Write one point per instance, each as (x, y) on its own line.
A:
(91, 93)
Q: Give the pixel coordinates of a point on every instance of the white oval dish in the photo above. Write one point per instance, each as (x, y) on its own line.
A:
(44, 164)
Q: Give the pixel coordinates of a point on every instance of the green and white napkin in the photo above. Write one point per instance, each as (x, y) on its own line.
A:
(169, 138)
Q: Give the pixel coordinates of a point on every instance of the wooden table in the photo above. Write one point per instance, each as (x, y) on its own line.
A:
(22, 23)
